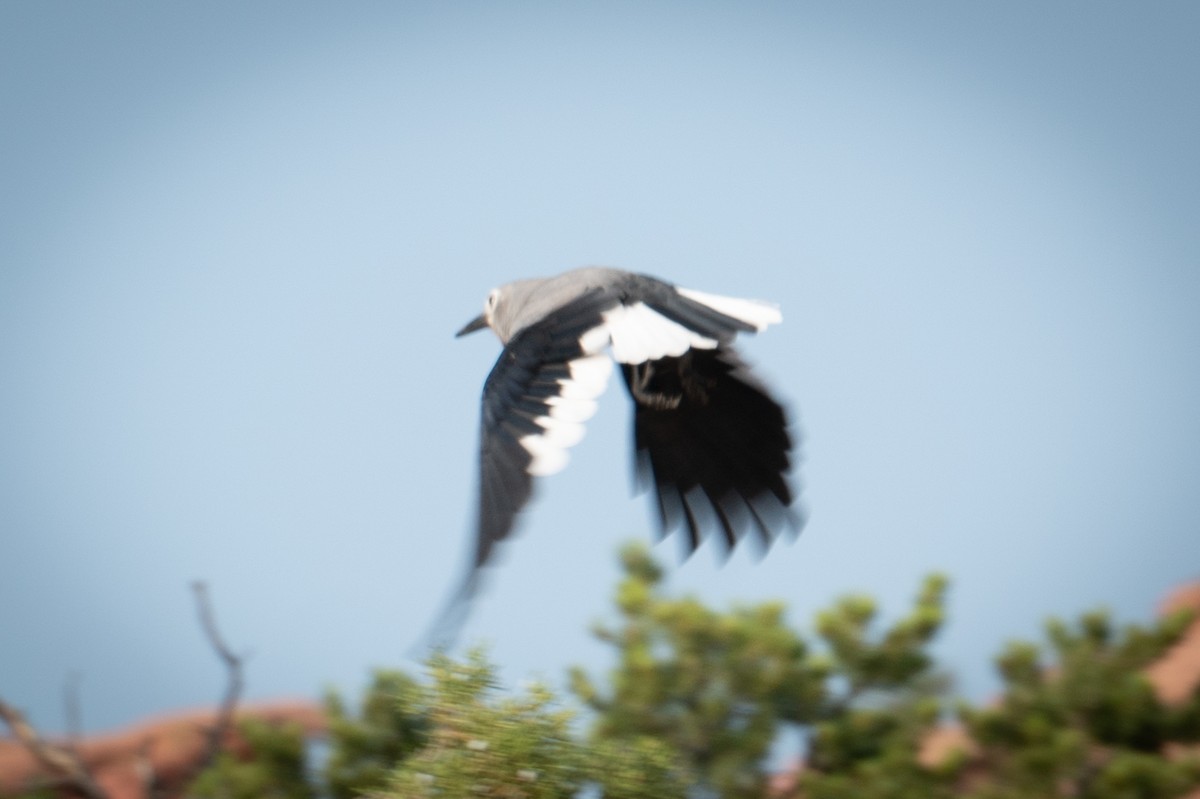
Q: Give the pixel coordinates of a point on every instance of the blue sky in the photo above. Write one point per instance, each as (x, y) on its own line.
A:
(236, 241)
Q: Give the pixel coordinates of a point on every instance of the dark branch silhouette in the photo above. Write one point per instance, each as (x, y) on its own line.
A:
(58, 760)
(73, 709)
(233, 666)
(63, 761)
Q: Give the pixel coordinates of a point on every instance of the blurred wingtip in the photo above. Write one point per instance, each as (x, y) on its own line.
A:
(796, 520)
(442, 634)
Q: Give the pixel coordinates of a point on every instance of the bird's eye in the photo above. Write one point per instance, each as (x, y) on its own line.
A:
(491, 300)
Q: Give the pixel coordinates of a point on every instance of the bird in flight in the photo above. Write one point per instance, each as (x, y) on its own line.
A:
(708, 437)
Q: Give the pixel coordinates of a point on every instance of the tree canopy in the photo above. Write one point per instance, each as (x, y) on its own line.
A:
(698, 695)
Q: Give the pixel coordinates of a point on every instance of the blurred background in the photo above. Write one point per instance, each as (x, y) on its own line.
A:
(236, 241)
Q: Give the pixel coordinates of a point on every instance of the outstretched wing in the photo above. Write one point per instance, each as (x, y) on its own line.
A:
(544, 386)
(708, 436)
(714, 445)
(540, 392)
(702, 424)
(535, 401)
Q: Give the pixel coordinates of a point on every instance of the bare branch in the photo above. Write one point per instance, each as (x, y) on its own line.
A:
(233, 666)
(57, 759)
(73, 706)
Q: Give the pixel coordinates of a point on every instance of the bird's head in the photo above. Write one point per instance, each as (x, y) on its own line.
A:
(511, 307)
(485, 318)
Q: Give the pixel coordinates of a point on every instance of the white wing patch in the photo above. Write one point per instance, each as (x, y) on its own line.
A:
(640, 334)
(594, 340)
(637, 334)
(563, 424)
(757, 313)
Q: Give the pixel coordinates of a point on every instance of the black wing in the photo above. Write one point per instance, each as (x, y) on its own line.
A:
(714, 444)
(534, 403)
(542, 370)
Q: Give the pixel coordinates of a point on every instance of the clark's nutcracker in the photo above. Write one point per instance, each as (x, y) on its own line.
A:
(707, 434)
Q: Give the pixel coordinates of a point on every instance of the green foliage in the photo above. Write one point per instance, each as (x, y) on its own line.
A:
(866, 740)
(37, 793)
(393, 722)
(698, 696)
(479, 745)
(715, 688)
(712, 687)
(1085, 720)
(638, 767)
(274, 767)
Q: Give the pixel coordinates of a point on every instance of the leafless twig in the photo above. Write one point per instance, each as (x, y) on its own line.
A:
(72, 706)
(57, 759)
(233, 666)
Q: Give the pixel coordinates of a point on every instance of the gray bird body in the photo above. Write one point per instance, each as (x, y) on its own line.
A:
(523, 302)
(708, 436)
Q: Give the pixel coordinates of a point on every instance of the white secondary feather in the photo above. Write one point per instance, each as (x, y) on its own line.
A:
(757, 313)
(571, 410)
(594, 340)
(560, 433)
(547, 458)
(589, 377)
(563, 425)
(640, 334)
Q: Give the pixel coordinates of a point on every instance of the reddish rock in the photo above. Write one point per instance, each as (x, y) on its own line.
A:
(1176, 676)
(120, 761)
(945, 741)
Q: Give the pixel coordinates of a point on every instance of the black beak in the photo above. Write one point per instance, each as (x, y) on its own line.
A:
(478, 323)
